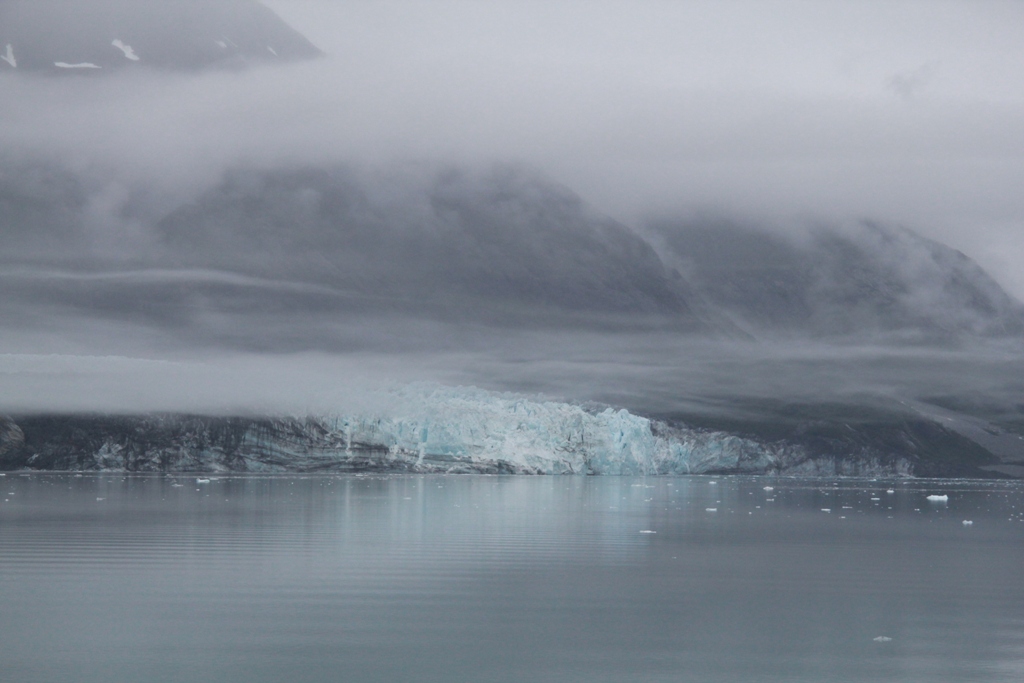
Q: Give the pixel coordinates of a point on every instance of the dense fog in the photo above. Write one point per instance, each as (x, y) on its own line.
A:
(664, 206)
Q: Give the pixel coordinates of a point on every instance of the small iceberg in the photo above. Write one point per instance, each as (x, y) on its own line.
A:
(883, 639)
(80, 65)
(202, 481)
(647, 531)
(968, 522)
(710, 509)
(936, 498)
(769, 488)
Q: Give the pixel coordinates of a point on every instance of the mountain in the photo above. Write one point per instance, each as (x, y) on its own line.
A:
(504, 244)
(843, 349)
(852, 281)
(90, 36)
(293, 247)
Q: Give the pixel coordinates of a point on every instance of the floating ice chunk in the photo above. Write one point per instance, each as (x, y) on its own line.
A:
(9, 57)
(101, 499)
(712, 482)
(80, 65)
(129, 53)
(2, 474)
(202, 481)
(891, 491)
(826, 509)
(647, 531)
(968, 522)
(769, 488)
(876, 499)
(883, 639)
(936, 498)
(710, 509)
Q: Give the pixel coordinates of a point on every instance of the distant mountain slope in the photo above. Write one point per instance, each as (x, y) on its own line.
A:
(305, 245)
(852, 281)
(474, 245)
(88, 36)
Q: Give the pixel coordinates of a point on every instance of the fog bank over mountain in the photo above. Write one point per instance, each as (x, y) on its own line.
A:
(750, 215)
(841, 111)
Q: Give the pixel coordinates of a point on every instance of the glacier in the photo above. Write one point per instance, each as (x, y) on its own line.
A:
(415, 428)
(444, 427)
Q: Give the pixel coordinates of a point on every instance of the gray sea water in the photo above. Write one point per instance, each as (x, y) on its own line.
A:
(473, 578)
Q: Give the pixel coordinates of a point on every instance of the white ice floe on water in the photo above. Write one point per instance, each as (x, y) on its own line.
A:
(9, 56)
(202, 481)
(936, 498)
(647, 531)
(883, 639)
(968, 522)
(129, 53)
(769, 488)
(80, 65)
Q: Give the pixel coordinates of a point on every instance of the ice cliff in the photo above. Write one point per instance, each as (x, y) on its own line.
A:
(422, 428)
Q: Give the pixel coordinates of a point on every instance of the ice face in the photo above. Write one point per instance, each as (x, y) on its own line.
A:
(524, 434)
(413, 428)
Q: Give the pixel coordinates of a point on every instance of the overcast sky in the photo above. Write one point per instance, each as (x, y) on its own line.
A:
(779, 112)
(908, 112)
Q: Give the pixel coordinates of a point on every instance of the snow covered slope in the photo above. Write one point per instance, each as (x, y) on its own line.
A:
(68, 36)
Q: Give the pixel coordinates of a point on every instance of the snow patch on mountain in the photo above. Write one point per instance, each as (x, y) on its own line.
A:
(129, 53)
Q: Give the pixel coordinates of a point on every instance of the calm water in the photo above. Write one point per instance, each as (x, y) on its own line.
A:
(462, 578)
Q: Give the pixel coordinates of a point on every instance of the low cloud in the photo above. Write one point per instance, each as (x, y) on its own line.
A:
(614, 118)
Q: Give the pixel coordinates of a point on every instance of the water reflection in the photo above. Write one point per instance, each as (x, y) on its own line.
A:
(433, 578)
